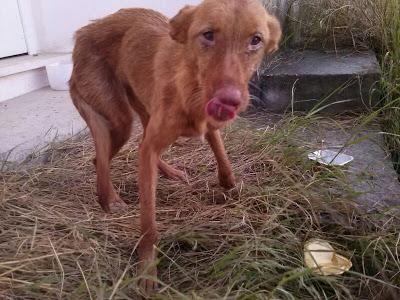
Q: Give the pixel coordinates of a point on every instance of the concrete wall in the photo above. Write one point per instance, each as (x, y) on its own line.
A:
(57, 20)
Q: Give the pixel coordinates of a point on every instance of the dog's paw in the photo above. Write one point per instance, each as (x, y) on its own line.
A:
(148, 272)
(227, 181)
(113, 204)
(118, 206)
(176, 175)
(147, 287)
(172, 173)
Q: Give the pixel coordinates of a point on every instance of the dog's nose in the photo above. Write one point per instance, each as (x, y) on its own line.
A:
(229, 95)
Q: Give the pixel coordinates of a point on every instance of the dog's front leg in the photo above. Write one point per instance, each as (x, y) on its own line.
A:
(148, 174)
(148, 159)
(225, 173)
(150, 151)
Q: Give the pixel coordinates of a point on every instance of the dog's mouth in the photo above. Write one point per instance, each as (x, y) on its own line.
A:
(220, 111)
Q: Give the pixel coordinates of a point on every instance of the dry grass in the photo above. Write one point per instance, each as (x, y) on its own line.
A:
(245, 244)
(331, 24)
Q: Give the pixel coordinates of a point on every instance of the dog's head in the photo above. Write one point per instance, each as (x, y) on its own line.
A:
(226, 41)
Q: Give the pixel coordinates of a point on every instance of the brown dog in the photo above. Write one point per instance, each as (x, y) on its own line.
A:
(184, 77)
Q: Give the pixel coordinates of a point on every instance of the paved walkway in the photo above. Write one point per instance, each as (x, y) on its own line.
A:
(30, 122)
(371, 174)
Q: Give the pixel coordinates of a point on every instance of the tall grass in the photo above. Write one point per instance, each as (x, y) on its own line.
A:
(361, 24)
(391, 77)
(375, 24)
(378, 24)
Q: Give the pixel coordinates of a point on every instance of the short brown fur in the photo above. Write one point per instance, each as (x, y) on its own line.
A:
(165, 71)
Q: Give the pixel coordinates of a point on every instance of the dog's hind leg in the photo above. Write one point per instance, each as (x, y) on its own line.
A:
(107, 144)
(109, 119)
(153, 144)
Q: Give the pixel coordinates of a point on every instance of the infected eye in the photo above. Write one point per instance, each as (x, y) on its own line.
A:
(256, 40)
(255, 43)
(209, 36)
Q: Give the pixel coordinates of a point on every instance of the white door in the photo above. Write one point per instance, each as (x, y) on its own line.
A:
(12, 39)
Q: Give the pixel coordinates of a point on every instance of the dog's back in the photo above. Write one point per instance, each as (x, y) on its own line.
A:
(104, 37)
(104, 59)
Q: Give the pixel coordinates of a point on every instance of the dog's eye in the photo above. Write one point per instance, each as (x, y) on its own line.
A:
(209, 36)
(256, 40)
(255, 43)
(208, 39)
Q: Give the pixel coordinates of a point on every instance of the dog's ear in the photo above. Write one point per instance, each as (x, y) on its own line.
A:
(179, 25)
(275, 35)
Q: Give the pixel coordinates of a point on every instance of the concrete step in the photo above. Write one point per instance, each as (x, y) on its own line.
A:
(25, 73)
(32, 121)
(371, 175)
(370, 179)
(306, 80)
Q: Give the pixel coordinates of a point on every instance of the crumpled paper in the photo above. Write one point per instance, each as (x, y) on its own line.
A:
(320, 256)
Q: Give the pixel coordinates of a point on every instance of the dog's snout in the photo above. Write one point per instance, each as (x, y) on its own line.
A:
(229, 95)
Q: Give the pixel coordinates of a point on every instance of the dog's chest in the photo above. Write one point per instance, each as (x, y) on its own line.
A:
(194, 128)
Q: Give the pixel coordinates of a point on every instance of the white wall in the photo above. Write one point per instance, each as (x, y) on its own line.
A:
(57, 20)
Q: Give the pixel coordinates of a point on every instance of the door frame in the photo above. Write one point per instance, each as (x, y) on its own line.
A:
(27, 13)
